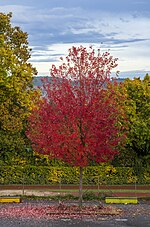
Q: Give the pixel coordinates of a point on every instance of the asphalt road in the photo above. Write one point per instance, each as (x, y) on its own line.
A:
(139, 221)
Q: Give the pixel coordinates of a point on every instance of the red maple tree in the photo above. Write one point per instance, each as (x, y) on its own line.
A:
(77, 118)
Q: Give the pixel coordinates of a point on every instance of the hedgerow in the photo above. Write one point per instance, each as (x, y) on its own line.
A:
(92, 175)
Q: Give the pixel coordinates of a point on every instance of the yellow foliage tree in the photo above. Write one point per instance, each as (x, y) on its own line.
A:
(137, 105)
(17, 95)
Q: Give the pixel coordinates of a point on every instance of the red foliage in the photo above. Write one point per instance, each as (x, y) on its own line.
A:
(49, 212)
(77, 119)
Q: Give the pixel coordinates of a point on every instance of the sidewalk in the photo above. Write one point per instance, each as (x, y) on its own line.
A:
(29, 193)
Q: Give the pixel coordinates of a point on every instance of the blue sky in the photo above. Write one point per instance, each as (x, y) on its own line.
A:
(53, 26)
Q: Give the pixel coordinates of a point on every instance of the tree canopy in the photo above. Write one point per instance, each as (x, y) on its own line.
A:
(137, 105)
(138, 91)
(77, 120)
(16, 93)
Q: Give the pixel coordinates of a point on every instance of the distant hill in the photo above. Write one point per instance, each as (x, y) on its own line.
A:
(37, 80)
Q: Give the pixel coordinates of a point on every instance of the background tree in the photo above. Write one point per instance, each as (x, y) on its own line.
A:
(16, 93)
(137, 149)
(139, 132)
(77, 120)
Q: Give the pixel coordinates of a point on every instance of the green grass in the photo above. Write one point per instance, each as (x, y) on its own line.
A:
(86, 197)
(53, 197)
(93, 190)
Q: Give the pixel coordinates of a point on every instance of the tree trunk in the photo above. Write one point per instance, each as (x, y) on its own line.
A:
(80, 187)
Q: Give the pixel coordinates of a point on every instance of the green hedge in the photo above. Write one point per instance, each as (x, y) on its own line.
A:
(103, 174)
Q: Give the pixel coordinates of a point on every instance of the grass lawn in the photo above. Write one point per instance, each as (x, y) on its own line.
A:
(95, 190)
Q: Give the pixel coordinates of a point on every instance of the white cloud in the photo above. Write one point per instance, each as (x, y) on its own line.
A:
(129, 57)
(56, 29)
(20, 13)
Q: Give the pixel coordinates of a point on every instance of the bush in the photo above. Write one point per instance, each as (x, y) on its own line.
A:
(92, 175)
(90, 196)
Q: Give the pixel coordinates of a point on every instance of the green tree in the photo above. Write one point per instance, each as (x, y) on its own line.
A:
(16, 90)
(137, 105)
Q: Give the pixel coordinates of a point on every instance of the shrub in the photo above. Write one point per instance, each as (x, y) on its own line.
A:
(92, 175)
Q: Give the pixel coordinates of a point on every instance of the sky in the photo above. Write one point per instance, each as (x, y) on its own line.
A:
(121, 27)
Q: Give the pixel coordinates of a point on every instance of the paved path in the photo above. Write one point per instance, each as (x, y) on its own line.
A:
(140, 221)
(109, 187)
